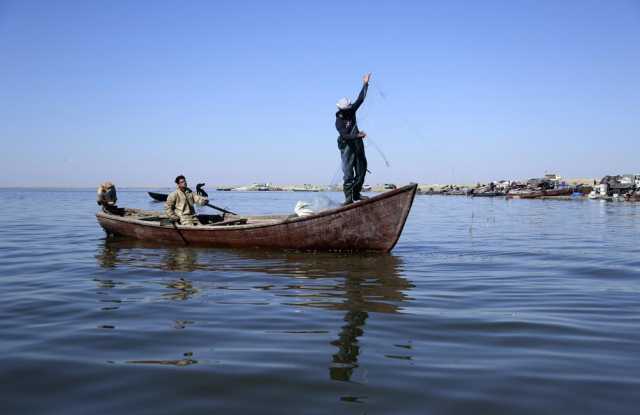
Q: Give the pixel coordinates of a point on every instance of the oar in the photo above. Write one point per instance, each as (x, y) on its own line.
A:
(200, 191)
(179, 233)
(220, 209)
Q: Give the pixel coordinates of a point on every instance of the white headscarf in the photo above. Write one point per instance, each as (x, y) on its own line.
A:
(343, 103)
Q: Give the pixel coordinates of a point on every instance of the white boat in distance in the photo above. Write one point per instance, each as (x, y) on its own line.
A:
(255, 187)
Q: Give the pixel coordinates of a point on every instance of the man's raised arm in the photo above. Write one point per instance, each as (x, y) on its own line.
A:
(363, 92)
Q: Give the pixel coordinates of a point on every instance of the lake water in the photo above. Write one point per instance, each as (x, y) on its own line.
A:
(484, 307)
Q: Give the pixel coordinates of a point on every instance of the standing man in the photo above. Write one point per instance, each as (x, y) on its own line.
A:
(179, 204)
(354, 161)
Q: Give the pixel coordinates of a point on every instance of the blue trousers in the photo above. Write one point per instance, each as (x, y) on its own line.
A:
(354, 167)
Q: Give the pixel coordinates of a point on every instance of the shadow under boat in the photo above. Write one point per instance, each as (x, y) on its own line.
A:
(359, 284)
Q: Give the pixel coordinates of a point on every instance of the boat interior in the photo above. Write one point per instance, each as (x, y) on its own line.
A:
(205, 220)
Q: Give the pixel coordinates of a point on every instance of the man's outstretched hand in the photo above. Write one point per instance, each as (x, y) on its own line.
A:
(366, 78)
(362, 135)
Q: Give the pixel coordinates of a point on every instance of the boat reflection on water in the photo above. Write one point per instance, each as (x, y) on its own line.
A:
(356, 284)
(120, 252)
(117, 253)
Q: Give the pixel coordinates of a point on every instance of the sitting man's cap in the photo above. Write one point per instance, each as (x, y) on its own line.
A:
(343, 103)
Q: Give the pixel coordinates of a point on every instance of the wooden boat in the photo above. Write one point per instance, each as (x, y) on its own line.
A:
(563, 191)
(487, 194)
(160, 197)
(538, 194)
(371, 225)
(455, 193)
(305, 188)
(525, 194)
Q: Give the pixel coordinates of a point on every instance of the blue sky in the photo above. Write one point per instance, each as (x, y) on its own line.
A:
(238, 92)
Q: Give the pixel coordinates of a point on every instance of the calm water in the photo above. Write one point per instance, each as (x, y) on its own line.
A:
(485, 306)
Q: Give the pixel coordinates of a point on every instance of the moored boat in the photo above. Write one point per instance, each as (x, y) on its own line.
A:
(487, 194)
(540, 193)
(374, 224)
(305, 188)
(525, 194)
(561, 191)
(159, 197)
(162, 197)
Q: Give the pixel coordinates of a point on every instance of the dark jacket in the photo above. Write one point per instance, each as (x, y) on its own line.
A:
(346, 123)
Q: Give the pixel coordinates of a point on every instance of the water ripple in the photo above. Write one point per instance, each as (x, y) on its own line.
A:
(485, 306)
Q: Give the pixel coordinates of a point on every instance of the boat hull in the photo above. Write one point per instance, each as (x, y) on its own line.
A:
(539, 194)
(487, 194)
(159, 197)
(371, 225)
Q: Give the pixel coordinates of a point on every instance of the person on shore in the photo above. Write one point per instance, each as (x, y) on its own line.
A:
(351, 145)
(179, 204)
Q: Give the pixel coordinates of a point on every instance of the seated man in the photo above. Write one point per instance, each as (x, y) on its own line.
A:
(179, 204)
(107, 198)
(106, 195)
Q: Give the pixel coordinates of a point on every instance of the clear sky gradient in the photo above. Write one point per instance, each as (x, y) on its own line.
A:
(238, 92)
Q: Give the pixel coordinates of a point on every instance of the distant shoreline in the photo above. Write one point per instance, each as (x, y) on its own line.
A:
(281, 188)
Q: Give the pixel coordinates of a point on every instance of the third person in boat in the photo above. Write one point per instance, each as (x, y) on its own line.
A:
(354, 161)
(179, 204)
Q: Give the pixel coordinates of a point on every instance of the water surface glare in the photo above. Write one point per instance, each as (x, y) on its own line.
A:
(485, 306)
